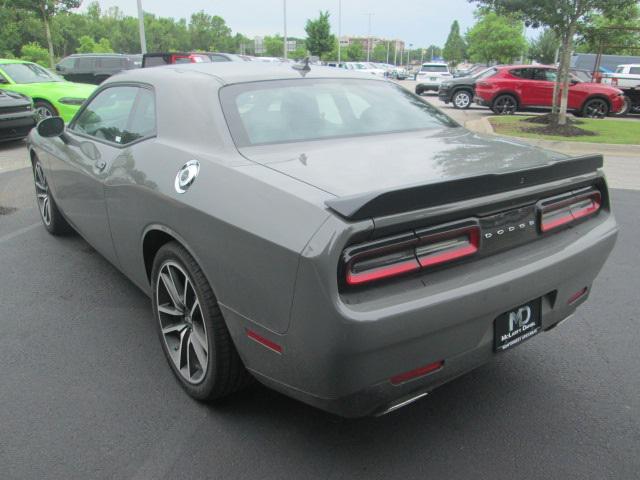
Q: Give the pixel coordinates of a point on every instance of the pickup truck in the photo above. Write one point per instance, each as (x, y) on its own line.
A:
(627, 79)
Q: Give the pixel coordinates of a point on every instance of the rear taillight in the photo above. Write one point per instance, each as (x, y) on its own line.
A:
(411, 252)
(559, 211)
(447, 246)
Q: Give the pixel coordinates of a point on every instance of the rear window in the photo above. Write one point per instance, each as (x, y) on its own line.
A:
(434, 68)
(299, 110)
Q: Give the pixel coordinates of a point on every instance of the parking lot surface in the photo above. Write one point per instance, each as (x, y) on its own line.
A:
(85, 391)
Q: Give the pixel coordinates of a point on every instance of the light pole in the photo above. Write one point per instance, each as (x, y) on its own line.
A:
(369, 37)
(143, 40)
(339, 31)
(284, 8)
(409, 53)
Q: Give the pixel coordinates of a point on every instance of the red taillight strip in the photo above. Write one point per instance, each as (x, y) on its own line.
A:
(418, 372)
(460, 252)
(264, 341)
(382, 272)
(571, 214)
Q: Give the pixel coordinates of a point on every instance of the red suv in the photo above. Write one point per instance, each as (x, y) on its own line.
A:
(520, 87)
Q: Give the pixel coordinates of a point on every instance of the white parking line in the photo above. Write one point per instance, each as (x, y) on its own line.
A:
(20, 231)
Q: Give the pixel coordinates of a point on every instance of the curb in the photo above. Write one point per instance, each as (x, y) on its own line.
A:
(483, 125)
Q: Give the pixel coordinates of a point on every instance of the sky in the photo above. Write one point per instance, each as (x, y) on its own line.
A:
(419, 22)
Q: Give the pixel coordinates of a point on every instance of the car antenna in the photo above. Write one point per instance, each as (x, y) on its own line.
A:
(303, 67)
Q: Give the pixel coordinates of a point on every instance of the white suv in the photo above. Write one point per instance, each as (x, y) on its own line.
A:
(430, 76)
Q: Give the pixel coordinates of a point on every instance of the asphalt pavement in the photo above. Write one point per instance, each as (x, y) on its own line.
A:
(85, 392)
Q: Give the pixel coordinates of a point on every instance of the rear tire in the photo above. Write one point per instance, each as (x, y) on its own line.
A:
(504, 105)
(461, 99)
(419, 91)
(50, 215)
(194, 338)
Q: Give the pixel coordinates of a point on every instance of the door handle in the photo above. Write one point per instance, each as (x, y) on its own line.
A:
(101, 164)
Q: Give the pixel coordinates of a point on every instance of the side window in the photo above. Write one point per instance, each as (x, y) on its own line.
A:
(67, 62)
(524, 73)
(107, 116)
(634, 70)
(143, 118)
(550, 75)
(218, 58)
(85, 64)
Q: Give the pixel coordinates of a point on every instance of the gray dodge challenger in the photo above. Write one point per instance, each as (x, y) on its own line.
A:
(325, 232)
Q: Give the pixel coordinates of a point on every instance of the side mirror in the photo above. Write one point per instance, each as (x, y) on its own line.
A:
(3, 80)
(51, 127)
(58, 68)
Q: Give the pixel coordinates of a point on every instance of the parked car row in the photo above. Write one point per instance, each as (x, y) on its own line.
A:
(506, 89)
(52, 96)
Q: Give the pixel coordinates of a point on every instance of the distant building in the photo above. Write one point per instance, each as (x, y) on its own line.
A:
(258, 45)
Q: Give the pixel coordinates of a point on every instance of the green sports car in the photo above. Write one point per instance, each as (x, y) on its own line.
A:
(52, 95)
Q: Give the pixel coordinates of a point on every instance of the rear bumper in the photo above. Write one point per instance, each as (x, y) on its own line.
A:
(481, 101)
(340, 352)
(425, 86)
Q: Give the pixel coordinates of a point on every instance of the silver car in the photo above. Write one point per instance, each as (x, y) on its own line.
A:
(325, 232)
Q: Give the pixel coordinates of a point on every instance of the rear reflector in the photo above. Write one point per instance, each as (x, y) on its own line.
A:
(264, 341)
(418, 372)
(577, 296)
(554, 214)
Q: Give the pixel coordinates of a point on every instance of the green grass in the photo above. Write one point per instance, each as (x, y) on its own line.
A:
(623, 132)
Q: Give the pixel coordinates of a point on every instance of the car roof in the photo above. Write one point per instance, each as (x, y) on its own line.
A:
(237, 72)
(509, 67)
(12, 60)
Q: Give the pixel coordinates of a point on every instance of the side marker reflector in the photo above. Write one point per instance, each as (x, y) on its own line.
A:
(264, 341)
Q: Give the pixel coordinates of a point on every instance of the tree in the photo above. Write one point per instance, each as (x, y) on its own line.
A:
(455, 48)
(47, 9)
(608, 33)
(274, 46)
(564, 17)
(433, 51)
(543, 48)
(354, 52)
(32, 52)
(495, 38)
(320, 40)
(209, 32)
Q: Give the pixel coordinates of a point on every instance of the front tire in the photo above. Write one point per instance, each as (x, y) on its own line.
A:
(595, 108)
(193, 334)
(44, 109)
(50, 215)
(461, 100)
(419, 91)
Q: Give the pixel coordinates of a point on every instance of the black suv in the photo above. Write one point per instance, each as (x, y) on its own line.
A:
(460, 91)
(96, 67)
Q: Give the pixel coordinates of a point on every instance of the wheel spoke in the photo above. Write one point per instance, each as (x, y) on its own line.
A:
(182, 348)
(201, 355)
(170, 310)
(170, 286)
(174, 328)
(185, 291)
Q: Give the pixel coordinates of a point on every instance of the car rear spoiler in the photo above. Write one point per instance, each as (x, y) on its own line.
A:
(415, 197)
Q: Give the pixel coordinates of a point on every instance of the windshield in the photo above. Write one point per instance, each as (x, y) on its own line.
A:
(434, 68)
(300, 110)
(29, 73)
